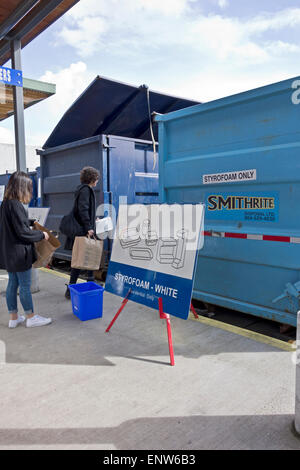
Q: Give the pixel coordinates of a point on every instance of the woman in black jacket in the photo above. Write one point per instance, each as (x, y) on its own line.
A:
(17, 252)
(85, 214)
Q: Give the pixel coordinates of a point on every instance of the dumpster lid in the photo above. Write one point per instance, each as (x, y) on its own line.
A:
(115, 108)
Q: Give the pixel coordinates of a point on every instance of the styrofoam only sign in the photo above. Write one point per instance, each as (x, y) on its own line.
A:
(154, 255)
(230, 177)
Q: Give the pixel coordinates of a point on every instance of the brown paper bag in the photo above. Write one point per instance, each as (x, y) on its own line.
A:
(45, 248)
(86, 253)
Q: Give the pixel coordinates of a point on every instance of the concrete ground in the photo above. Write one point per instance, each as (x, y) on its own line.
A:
(70, 385)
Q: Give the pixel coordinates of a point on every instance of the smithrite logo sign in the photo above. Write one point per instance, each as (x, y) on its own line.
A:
(254, 206)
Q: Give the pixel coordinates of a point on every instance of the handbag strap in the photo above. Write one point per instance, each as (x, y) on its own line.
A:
(92, 237)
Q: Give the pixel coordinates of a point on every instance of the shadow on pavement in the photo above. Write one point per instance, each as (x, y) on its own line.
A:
(137, 333)
(185, 433)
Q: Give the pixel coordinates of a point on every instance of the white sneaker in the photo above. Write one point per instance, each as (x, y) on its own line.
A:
(15, 323)
(37, 320)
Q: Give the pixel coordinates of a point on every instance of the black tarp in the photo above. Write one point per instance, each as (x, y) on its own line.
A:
(114, 108)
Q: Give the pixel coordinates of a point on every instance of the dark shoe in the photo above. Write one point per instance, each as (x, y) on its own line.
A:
(67, 293)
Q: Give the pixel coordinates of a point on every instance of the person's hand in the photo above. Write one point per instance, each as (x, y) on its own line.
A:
(90, 233)
(46, 235)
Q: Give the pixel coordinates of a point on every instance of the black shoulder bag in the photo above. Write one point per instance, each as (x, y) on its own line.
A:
(69, 225)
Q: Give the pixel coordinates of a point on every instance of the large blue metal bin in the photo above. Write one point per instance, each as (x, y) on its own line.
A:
(33, 175)
(4, 179)
(87, 135)
(127, 168)
(241, 156)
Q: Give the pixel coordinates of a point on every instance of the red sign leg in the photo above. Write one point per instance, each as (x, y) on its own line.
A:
(167, 317)
(124, 302)
(194, 311)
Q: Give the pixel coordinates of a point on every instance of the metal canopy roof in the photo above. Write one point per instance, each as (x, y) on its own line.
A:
(26, 19)
(110, 107)
(34, 91)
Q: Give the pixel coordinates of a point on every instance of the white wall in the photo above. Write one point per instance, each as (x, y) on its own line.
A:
(8, 158)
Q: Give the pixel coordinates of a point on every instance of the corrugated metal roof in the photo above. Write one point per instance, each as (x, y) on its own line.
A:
(111, 107)
(34, 91)
(25, 20)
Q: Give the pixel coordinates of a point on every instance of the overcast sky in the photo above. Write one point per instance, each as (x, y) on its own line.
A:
(198, 49)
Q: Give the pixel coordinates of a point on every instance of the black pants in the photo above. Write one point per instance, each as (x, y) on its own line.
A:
(75, 275)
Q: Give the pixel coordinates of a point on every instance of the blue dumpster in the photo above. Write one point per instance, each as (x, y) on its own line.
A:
(33, 175)
(240, 156)
(3, 183)
(126, 169)
(113, 135)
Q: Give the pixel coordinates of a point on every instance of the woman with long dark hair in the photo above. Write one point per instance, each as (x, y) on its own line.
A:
(17, 252)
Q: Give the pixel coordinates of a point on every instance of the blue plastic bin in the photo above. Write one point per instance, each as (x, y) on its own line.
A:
(87, 300)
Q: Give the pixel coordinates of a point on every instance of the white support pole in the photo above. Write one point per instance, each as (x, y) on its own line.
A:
(18, 109)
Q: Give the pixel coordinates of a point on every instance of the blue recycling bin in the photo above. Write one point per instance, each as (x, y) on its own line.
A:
(87, 300)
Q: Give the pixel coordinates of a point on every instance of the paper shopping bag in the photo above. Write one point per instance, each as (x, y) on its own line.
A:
(86, 253)
(45, 248)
